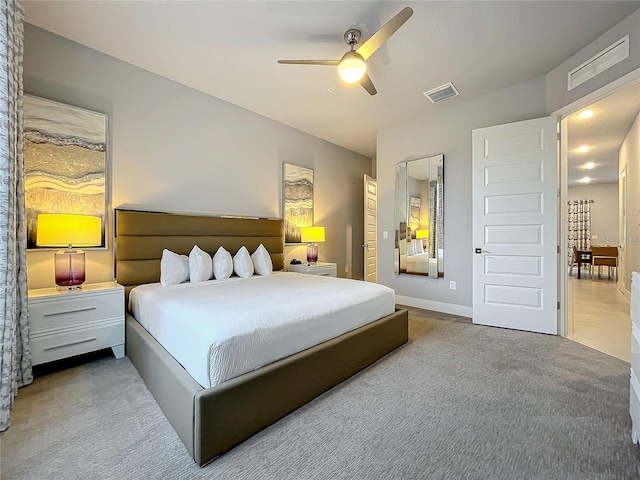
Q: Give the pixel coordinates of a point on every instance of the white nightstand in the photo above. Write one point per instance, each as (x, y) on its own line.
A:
(320, 268)
(68, 323)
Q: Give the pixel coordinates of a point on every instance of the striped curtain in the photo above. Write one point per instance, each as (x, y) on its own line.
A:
(436, 216)
(15, 353)
(579, 226)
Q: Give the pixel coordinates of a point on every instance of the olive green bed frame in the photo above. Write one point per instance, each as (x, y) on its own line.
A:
(210, 421)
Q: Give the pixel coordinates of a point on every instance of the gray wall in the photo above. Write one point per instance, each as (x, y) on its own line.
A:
(604, 210)
(556, 80)
(446, 128)
(176, 149)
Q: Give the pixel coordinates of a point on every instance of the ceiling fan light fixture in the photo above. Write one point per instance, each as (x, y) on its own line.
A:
(352, 67)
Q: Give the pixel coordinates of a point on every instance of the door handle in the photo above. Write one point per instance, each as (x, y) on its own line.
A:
(480, 251)
(366, 245)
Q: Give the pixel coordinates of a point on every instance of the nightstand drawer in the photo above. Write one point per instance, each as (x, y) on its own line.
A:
(47, 348)
(67, 310)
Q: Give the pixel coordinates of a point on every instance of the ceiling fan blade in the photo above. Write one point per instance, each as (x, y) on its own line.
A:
(309, 62)
(367, 84)
(377, 39)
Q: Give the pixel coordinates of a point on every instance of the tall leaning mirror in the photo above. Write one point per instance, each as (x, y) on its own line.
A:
(419, 210)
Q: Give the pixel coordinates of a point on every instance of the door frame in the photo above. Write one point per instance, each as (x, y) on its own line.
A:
(562, 114)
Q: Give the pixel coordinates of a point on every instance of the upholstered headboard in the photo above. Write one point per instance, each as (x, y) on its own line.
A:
(141, 237)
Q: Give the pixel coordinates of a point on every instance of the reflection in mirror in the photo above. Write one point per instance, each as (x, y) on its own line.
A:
(419, 235)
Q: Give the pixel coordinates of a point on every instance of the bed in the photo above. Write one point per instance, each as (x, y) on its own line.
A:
(212, 420)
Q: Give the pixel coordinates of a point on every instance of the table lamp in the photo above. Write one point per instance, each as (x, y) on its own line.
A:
(71, 231)
(311, 236)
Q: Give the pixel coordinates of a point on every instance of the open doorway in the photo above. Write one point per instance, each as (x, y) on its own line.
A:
(601, 148)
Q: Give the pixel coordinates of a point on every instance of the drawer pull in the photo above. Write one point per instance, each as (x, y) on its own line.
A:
(69, 311)
(71, 343)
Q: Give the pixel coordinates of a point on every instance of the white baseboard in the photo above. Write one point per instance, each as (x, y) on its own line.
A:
(442, 307)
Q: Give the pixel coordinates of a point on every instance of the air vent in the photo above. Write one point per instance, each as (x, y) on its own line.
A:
(604, 60)
(441, 93)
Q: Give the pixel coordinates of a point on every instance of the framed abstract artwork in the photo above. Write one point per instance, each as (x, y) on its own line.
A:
(414, 215)
(65, 162)
(297, 201)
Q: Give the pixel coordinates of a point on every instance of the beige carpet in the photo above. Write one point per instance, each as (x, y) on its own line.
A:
(458, 402)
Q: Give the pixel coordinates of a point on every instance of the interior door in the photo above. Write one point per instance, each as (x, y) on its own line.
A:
(515, 226)
(370, 229)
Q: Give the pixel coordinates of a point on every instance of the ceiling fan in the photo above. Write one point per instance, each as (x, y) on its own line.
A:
(352, 67)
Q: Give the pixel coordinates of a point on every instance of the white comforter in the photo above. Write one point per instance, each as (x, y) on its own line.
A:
(220, 329)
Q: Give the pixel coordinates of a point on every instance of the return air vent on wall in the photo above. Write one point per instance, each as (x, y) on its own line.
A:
(441, 93)
(604, 60)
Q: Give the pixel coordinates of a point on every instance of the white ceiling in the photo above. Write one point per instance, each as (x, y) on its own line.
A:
(603, 134)
(229, 49)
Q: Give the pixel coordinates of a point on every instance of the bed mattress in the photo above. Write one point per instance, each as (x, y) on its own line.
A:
(220, 329)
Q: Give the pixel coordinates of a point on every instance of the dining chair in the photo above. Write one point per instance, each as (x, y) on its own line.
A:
(605, 257)
(576, 260)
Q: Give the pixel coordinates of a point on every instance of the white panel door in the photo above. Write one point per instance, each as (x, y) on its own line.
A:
(370, 229)
(515, 226)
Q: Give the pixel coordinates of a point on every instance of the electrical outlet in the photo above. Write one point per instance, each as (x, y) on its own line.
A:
(452, 285)
(385, 234)
(346, 269)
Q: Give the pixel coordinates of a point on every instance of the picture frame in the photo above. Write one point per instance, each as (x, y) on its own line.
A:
(297, 201)
(65, 161)
(414, 214)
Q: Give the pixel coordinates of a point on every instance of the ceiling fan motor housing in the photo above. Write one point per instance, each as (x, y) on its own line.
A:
(352, 37)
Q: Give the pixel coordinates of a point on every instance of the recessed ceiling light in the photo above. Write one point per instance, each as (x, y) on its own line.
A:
(589, 165)
(586, 114)
(584, 180)
(330, 90)
(583, 149)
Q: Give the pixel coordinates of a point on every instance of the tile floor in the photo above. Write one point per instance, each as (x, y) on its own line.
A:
(599, 316)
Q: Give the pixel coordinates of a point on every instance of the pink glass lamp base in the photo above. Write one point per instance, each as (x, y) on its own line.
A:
(69, 265)
(312, 254)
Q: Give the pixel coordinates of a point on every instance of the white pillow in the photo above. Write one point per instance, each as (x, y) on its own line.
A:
(418, 247)
(242, 264)
(222, 264)
(200, 265)
(174, 268)
(262, 261)
(411, 248)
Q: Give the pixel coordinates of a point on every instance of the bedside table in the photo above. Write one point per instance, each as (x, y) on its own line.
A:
(320, 268)
(68, 323)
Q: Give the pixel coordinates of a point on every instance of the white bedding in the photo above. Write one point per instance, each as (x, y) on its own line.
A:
(419, 263)
(220, 329)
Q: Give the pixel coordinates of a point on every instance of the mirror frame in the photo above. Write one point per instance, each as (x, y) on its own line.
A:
(411, 209)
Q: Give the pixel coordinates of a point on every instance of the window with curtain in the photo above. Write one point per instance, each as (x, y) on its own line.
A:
(15, 354)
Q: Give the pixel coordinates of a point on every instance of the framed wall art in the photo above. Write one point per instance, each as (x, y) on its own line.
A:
(414, 215)
(297, 201)
(65, 162)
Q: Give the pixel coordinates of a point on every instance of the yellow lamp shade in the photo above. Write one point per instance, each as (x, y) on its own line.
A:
(422, 233)
(64, 229)
(312, 234)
